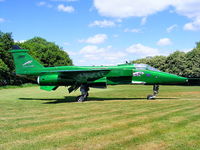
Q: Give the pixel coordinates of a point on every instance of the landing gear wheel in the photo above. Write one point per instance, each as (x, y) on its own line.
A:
(155, 92)
(84, 93)
(150, 97)
(80, 98)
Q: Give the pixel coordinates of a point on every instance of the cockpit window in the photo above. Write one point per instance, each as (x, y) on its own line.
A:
(140, 66)
(152, 68)
(145, 67)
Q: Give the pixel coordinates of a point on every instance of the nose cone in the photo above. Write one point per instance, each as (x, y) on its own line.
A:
(173, 79)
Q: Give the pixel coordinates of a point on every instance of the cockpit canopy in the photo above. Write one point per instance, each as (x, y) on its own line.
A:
(145, 67)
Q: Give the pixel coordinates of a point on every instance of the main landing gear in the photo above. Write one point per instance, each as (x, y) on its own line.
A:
(84, 93)
(155, 92)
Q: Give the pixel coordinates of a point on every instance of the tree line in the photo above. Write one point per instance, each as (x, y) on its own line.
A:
(47, 53)
(185, 64)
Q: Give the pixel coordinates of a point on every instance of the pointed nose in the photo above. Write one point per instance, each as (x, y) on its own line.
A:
(173, 79)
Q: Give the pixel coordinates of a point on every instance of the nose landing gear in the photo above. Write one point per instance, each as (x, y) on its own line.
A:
(155, 92)
(84, 93)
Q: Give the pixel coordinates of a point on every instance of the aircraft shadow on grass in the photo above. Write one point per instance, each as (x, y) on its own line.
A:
(71, 99)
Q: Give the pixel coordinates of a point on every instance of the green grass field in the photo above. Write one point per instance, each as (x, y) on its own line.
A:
(119, 117)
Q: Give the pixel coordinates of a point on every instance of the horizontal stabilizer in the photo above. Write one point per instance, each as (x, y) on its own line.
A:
(48, 88)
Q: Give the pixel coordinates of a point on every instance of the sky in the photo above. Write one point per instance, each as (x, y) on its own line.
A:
(105, 32)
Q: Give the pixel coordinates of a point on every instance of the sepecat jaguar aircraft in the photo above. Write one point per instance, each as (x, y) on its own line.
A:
(84, 77)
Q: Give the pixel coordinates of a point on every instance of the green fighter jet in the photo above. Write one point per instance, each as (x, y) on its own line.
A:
(50, 78)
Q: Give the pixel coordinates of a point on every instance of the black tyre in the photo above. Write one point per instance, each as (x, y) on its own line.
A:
(80, 98)
(150, 97)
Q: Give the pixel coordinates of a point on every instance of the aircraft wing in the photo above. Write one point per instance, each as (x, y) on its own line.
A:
(80, 76)
(76, 71)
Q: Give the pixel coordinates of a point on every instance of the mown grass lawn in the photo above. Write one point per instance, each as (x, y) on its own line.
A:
(119, 117)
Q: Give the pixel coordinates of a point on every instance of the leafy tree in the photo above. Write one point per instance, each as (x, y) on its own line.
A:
(193, 62)
(176, 63)
(48, 53)
(6, 43)
(3, 69)
(6, 61)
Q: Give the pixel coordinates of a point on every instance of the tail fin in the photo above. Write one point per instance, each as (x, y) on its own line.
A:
(24, 63)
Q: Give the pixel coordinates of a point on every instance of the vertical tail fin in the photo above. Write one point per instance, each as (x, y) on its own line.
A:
(24, 63)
